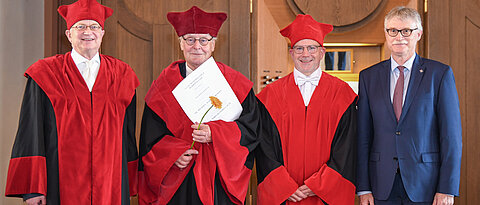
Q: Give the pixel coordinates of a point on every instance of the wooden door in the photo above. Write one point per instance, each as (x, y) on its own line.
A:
(454, 38)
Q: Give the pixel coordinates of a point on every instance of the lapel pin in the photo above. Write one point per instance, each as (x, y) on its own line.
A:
(421, 71)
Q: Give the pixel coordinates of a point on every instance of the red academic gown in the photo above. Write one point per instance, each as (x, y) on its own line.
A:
(73, 145)
(312, 145)
(220, 173)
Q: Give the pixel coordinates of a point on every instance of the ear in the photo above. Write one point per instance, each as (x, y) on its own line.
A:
(292, 54)
(182, 47)
(322, 49)
(69, 35)
(212, 44)
(419, 35)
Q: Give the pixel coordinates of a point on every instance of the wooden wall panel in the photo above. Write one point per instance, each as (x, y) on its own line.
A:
(166, 48)
(453, 39)
(343, 15)
(270, 48)
(453, 53)
(472, 112)
(337, 12)
(240, 36)
(438, 30)
(51, 28)
(138, 53)
(143, 9)
(365, 57)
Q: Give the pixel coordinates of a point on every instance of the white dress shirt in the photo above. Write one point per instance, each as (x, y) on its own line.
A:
(88, 68)
(307, 84)
(188, 70)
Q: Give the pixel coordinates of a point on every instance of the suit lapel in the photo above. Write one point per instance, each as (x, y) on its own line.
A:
(385, 84)
(416, 76)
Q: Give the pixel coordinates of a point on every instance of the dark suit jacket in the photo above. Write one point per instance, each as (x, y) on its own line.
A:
(427, 140)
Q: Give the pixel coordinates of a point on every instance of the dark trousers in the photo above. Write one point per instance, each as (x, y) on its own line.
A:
(399, 195)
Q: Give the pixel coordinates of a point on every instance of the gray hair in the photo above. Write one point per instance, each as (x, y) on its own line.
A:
(404, 13)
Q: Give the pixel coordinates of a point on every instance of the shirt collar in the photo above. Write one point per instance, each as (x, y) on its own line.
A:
(188, 70)
(316, 73)
(408, 64)
(77, 58)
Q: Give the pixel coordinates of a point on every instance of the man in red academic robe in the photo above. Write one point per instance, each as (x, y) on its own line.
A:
(76, 137)
(307, 154)
(217, 170)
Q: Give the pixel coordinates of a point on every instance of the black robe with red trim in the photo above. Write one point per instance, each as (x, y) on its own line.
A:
(75, 146)
(312, 145)
(220, 173)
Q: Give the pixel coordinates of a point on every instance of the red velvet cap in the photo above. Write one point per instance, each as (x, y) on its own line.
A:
(85, 10)
(305, 27)
(196, 21)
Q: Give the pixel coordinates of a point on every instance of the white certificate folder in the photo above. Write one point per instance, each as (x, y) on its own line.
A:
(193, 94)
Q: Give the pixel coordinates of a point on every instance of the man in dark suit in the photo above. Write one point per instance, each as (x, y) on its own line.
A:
(409, 129)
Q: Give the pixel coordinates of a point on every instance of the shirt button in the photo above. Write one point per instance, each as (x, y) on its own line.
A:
(397, 133)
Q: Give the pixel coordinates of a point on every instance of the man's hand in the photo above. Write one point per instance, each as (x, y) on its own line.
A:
(39, 200)
(366, 199)
(305, 190)
(185, 159)
(203, 135)
(297, 196)
(443, 199)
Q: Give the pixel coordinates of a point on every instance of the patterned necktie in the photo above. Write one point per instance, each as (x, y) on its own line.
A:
(398, 94)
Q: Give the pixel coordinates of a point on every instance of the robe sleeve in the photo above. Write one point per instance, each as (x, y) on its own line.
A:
(334, 182)
(129, 124)
(233, 143)
(27, 171)
(159, 150)
(274, 182)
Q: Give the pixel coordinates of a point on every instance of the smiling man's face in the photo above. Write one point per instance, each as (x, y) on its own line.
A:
(85, 42)
(307, 62)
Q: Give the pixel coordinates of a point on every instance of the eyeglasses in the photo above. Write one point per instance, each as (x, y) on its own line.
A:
(311, 49)
(405, 32)
(81, 27)
(202, 40)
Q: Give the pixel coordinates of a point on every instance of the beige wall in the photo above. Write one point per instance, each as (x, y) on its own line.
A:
(21, 44)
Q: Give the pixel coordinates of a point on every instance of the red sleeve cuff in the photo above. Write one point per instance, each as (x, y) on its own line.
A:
(276, 187)
(160, 177)
(26, 175)
(331, 187)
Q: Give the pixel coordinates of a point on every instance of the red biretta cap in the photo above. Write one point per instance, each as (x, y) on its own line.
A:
(305, 27)
(196, 21)
(85, 10)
